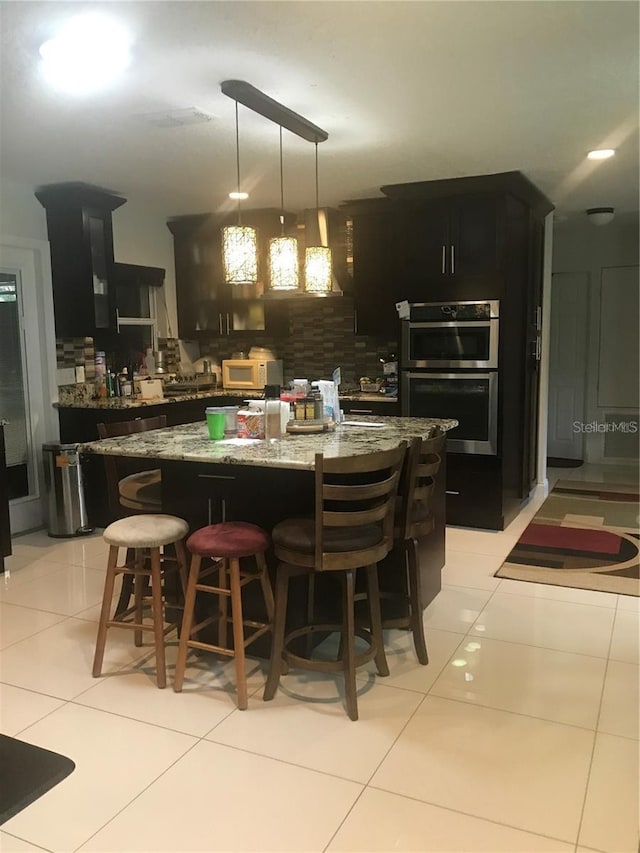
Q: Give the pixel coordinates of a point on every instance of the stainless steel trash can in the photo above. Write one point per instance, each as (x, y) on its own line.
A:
(66, 511)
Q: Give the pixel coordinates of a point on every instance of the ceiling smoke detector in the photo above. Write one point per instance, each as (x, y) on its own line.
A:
(600, 215)
(176, 118)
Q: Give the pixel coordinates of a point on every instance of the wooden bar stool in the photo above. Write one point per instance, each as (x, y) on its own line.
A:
(352, 529)
(143, 536)
(223, 546)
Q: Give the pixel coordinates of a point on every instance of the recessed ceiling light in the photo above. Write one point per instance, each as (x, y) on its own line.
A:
(87, 54)
(239, 196)
(601, 154)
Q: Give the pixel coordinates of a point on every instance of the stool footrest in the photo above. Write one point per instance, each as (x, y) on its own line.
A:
(325, 665)
(209, 647)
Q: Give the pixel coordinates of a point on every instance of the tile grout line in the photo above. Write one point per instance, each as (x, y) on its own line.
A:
(595, 736)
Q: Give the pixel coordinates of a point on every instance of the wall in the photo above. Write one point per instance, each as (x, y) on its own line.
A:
(580, 246)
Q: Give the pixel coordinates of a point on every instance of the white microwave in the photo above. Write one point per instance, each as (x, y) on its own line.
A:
(250, 374)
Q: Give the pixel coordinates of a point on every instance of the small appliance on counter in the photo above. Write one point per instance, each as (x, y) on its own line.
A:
(250, 374)
(189, 383)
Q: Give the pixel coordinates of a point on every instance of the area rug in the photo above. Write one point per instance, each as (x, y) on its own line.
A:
(585, 535)
(26, 773)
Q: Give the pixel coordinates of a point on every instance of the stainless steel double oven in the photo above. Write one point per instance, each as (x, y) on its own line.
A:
(449, 369)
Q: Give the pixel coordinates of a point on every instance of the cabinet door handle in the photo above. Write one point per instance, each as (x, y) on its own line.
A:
(538, 348)
(355, 321)
(453, 259)
(450, 492)
(220, 322)
(361, 411)
(539, 317)
(215, 477)
(444, 258)
(228, 323)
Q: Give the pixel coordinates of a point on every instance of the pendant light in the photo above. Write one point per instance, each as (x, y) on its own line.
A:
(283, 251)
(239, 242)
(317, 259)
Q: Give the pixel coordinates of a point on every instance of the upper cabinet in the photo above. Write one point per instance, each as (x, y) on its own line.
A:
(206, 304)
(81, 243)
(372, 261)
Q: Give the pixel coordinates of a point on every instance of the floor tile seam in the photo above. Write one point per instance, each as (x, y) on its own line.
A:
(35, 633)
(31, 690)
(53, 612)
(470, 814)
(122, 715)
(559, 600)
(593, 748)
(344, 819)
(44, 717)
(285, 761)
(479, 553)
(137, 796)
(482, 636)
(26, 840)
(593, 729)
(411, 716)
(624, 610)
(467, 586)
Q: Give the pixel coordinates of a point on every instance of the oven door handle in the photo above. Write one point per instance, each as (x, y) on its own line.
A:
(455, 324)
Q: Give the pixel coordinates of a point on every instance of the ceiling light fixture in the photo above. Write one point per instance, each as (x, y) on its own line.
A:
(601, 154)
(317, 259)
(283, 251)
(600, 215)
(87, 54)
(239, 242)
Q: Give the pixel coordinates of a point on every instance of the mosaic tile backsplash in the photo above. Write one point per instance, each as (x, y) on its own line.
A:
(319, 340)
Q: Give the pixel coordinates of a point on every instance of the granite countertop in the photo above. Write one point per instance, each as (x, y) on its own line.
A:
(191, 443)
(135, 402)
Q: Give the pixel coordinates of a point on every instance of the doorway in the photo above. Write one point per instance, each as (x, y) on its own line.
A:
(27, 360)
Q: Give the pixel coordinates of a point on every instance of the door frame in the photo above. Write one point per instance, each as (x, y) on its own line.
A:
(30, 261)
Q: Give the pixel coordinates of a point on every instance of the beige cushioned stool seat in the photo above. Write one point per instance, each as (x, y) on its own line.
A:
(145, 531)
(142, 490)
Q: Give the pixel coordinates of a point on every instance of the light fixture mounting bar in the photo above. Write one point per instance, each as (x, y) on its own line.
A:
(255, 100)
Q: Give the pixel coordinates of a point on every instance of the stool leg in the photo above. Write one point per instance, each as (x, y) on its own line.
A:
(181, 554)
(311, 609)
(238, 632)
(223, 601)
(415, 603)
(127, 586)
(277, 643)
(138, 593)
(187, 622)
(373, 598)
(349, 633)
(158, 617)
(107, 595)
(265, 583)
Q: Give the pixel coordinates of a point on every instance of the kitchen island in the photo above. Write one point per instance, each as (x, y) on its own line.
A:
(265, 482)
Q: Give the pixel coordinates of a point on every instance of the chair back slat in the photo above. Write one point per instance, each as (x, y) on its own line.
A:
(356, 492)
(422, 463)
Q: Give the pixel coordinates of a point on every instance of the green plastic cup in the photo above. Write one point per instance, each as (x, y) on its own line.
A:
(215, 423)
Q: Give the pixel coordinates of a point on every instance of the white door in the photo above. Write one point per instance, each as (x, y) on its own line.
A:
(567, 363)
(26, 340)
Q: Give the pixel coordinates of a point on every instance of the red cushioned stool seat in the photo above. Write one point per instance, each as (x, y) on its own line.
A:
(228, 539)
(218, 549)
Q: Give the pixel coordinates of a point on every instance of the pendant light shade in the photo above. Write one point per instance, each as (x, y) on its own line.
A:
(317, 269)
(240, 254)
(283, 251)
(317, 259)
(239, 242)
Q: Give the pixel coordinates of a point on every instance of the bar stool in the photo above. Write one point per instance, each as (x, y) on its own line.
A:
(224, 545)
(414, 520)
(352, 529)
(143, 536)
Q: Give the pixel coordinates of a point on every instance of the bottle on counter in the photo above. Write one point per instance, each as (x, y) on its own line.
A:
(150, 362)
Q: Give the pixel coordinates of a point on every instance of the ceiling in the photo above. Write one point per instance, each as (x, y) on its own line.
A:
(407, 91)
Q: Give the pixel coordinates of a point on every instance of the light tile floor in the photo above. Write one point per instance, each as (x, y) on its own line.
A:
(520, 735)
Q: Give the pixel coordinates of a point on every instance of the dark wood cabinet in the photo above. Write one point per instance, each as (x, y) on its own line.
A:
(80, 233)
(207, 306)
(373, 266)
(389, 408)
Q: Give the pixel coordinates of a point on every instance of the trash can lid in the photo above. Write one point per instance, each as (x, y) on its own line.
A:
(60, 448)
